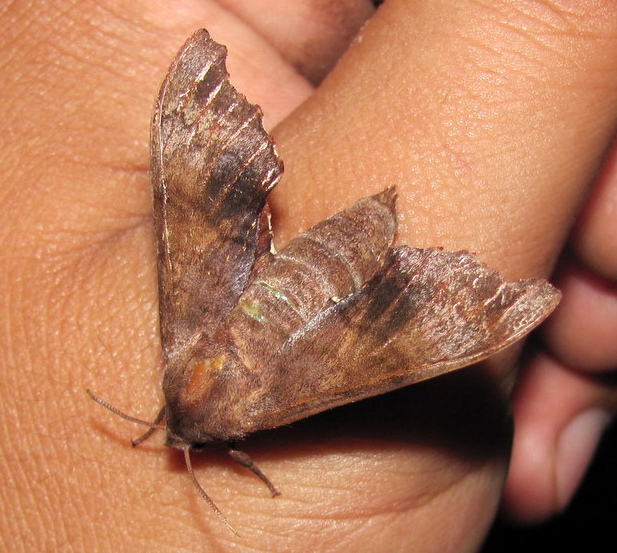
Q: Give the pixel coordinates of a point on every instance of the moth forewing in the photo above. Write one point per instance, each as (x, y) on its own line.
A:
(213, 165)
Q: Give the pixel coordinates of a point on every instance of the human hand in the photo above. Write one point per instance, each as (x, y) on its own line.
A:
(439, 101)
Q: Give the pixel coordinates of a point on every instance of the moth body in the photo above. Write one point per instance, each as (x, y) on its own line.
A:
(253, 340)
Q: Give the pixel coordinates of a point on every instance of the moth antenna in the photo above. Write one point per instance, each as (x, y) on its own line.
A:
(155, 426)
(202, 492)
(151, 425)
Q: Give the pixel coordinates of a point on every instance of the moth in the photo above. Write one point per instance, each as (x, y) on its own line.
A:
(253, 339)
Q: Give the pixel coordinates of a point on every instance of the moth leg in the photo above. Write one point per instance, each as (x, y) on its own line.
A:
(243, 459)
(150, 430)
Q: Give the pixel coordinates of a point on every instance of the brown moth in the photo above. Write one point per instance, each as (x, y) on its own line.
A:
(254, 339)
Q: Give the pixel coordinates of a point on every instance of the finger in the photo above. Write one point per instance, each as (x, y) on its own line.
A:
(582, 332)
(310, 36)
(555, 439)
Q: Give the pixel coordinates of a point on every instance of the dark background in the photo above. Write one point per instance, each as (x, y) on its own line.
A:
(591, 519)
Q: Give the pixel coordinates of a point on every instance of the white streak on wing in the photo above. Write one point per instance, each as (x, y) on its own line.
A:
(204, 71)
(214, 94)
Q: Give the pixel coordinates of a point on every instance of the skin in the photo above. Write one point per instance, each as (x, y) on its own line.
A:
(495, 124)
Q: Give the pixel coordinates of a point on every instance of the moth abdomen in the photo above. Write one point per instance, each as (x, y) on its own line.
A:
(334, 258)
(330, 261)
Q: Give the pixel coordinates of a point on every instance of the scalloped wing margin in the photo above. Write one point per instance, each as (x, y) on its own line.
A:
(213, 165)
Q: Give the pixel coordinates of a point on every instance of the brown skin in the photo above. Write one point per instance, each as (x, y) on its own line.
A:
(490, 121)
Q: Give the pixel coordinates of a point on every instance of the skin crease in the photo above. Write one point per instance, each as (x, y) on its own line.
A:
(504, 110)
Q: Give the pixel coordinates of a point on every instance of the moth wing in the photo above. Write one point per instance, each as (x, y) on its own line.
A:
(427, 312)
(212, 168)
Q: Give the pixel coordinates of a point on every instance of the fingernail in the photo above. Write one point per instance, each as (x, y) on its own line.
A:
(576, 447)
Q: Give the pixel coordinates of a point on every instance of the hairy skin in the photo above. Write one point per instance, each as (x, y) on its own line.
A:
(491, 121)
